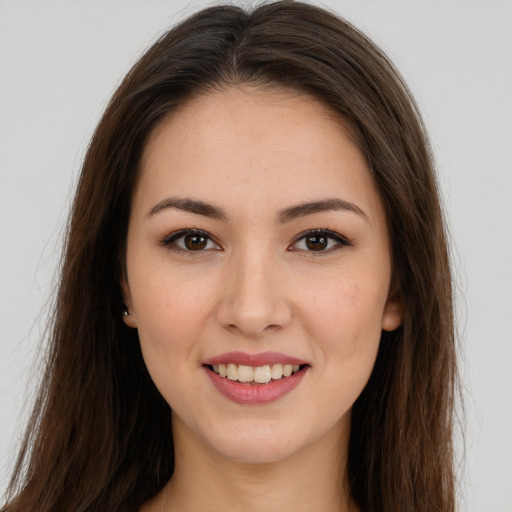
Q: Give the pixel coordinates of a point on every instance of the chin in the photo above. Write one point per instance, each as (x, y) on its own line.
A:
(258, 442)
(257, 451)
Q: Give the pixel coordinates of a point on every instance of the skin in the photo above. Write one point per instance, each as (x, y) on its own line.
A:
(257, 286)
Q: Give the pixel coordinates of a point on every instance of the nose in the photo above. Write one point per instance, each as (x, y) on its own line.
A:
(253, 296)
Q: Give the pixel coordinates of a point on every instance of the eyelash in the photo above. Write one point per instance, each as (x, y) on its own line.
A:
(340, 240)
(170, 240)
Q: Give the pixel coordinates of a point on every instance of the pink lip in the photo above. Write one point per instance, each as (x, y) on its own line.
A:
(255, 394)
(261, 359)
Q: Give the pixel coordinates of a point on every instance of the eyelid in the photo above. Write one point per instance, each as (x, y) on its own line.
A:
(340, 239)
(170, 239)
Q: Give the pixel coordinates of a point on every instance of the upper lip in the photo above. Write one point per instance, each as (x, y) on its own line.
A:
(260, 359)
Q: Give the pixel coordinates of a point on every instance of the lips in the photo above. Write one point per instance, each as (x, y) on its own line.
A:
(255, 378)
(261, 359)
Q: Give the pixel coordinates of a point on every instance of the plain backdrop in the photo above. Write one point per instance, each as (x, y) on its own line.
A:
(61, 60)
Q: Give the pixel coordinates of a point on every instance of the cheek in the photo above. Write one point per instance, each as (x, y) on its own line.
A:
(164, 300)
(170, 316)
(350, 302)
(345, 317)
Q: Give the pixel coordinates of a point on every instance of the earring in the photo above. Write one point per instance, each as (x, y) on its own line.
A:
(126, 313)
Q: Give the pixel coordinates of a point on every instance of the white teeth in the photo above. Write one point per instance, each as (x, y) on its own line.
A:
(262, 374)
(232, 373)
(277, 371)
(245, 373)
(257, 374)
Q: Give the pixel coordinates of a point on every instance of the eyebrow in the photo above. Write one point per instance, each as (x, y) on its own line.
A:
(287, 215)
(189, 205)
(324, 205)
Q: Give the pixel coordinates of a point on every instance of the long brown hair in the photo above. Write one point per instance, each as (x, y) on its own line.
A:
(100, 434)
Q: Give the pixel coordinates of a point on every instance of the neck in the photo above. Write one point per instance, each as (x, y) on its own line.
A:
(314, 479)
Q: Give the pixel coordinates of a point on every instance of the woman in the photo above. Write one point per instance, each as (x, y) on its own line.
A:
(256, 245)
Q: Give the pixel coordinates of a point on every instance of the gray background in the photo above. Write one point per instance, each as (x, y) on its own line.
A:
(61, 60)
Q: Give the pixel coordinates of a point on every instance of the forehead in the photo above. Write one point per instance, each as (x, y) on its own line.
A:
(226, 111)
(266, 145)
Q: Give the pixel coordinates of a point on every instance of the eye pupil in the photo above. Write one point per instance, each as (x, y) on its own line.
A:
(316, 243)
(195, 242)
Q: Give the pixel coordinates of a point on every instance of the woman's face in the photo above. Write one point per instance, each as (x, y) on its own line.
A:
(256, 242)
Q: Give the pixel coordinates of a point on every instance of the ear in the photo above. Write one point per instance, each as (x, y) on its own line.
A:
(129, 317)
(393, 314)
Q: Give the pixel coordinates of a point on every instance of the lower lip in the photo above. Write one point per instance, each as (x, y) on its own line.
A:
(257, 393)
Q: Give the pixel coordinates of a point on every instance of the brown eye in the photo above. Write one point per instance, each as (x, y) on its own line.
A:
(320, 240)
(316, 243)
(195, 242)
(190, 240)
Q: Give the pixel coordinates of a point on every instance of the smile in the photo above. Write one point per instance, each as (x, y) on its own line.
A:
(253, 379)
(255, 374)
